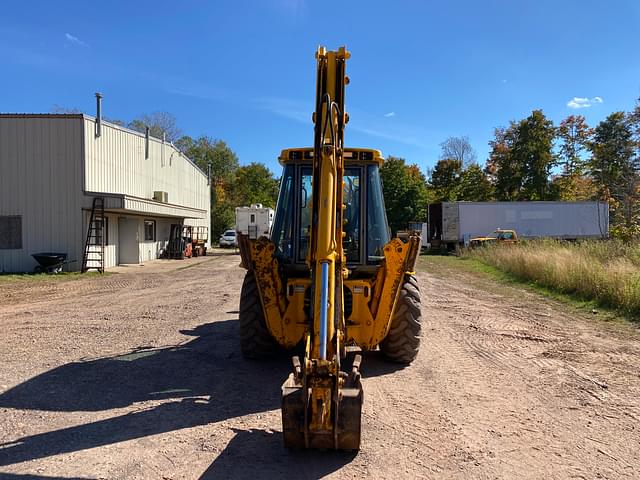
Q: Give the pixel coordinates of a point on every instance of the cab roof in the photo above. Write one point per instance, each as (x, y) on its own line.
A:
(351, 155)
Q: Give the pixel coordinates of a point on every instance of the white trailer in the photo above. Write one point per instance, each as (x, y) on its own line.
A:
(254, 221)
(454, 223)
(422, 228)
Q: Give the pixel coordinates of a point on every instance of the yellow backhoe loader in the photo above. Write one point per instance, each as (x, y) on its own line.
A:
(329, 280)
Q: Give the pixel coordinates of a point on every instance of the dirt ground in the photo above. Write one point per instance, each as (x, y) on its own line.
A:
(138, 375)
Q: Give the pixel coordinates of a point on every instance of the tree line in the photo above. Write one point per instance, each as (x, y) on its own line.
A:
(531, 159)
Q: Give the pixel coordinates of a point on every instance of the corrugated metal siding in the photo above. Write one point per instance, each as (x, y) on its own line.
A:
(147, 250)
(535, 219)
(41, 179)
(116, 163)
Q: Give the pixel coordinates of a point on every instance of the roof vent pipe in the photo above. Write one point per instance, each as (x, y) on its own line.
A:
(146, 142)
(164, 139)
(208, 174)
(98, 114)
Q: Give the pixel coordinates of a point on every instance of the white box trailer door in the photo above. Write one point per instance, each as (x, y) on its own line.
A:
(450, 222)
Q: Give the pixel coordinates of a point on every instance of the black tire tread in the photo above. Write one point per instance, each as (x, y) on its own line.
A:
(402, 343)
(255, 339)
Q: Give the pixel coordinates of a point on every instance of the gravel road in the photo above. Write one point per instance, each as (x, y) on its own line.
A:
(138, 375)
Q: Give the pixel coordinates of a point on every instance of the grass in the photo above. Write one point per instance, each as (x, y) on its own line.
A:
(444, 264)
(606, 273)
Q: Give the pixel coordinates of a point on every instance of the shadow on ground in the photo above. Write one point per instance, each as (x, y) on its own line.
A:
(260, 454)
(201, 381)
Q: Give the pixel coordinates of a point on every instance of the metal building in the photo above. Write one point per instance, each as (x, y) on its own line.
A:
(53, 166)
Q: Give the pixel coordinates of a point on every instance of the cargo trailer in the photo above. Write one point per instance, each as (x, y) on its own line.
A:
(254, 221)
(454, 223)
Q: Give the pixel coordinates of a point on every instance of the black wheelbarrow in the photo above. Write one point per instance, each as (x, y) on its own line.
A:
(49, 262)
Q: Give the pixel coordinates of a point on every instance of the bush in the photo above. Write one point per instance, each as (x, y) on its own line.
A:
(605, 271)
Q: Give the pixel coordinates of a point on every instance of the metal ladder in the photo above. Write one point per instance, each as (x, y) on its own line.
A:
(93, 257)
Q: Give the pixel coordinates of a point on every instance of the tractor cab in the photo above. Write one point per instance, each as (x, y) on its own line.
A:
(365, 222)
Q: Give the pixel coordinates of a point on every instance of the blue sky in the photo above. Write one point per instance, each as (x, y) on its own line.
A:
(244, 71)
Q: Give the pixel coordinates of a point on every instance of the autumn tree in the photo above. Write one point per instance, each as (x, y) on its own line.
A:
(572, 184)
(574, 135)
(505, 174)
(615, 166)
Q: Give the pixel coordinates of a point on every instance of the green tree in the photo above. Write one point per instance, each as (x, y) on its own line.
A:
(532, 151)
(405, 193)
(521, 159)
(216, 158)
(445, 179)
(615, 167)
(211, 155)
(254, 183)
(475, 185)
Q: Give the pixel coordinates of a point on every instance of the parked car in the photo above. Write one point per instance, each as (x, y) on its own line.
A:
(228, 239)
(499, 236)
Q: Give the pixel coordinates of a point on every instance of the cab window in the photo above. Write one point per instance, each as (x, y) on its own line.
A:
(351, 198)
(304, 224)
(282, 233)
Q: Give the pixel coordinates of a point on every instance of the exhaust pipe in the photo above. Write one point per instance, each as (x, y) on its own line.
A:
(98, 114)
(146, 142)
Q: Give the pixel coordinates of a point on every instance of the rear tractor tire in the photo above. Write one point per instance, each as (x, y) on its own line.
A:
(402, 343)
(255, 339)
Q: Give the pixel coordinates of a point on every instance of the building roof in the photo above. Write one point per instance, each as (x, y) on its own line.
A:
(42, 115)
(93, 119)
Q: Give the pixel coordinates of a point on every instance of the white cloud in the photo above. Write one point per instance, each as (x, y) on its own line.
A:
(583, 102)
(76, 40)
(390, 114)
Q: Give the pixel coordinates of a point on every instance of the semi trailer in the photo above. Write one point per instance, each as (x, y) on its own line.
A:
(452, 224)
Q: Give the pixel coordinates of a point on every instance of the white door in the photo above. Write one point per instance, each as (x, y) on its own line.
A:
(128, 240)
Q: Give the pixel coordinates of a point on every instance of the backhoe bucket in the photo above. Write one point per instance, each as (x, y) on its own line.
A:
(346, 417)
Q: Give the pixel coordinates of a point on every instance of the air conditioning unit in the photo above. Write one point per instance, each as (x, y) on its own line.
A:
(161, 197)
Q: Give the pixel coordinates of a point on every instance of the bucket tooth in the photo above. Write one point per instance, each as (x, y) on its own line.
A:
(293, 417)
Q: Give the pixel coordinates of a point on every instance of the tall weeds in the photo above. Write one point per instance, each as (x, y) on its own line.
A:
(605, 271)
